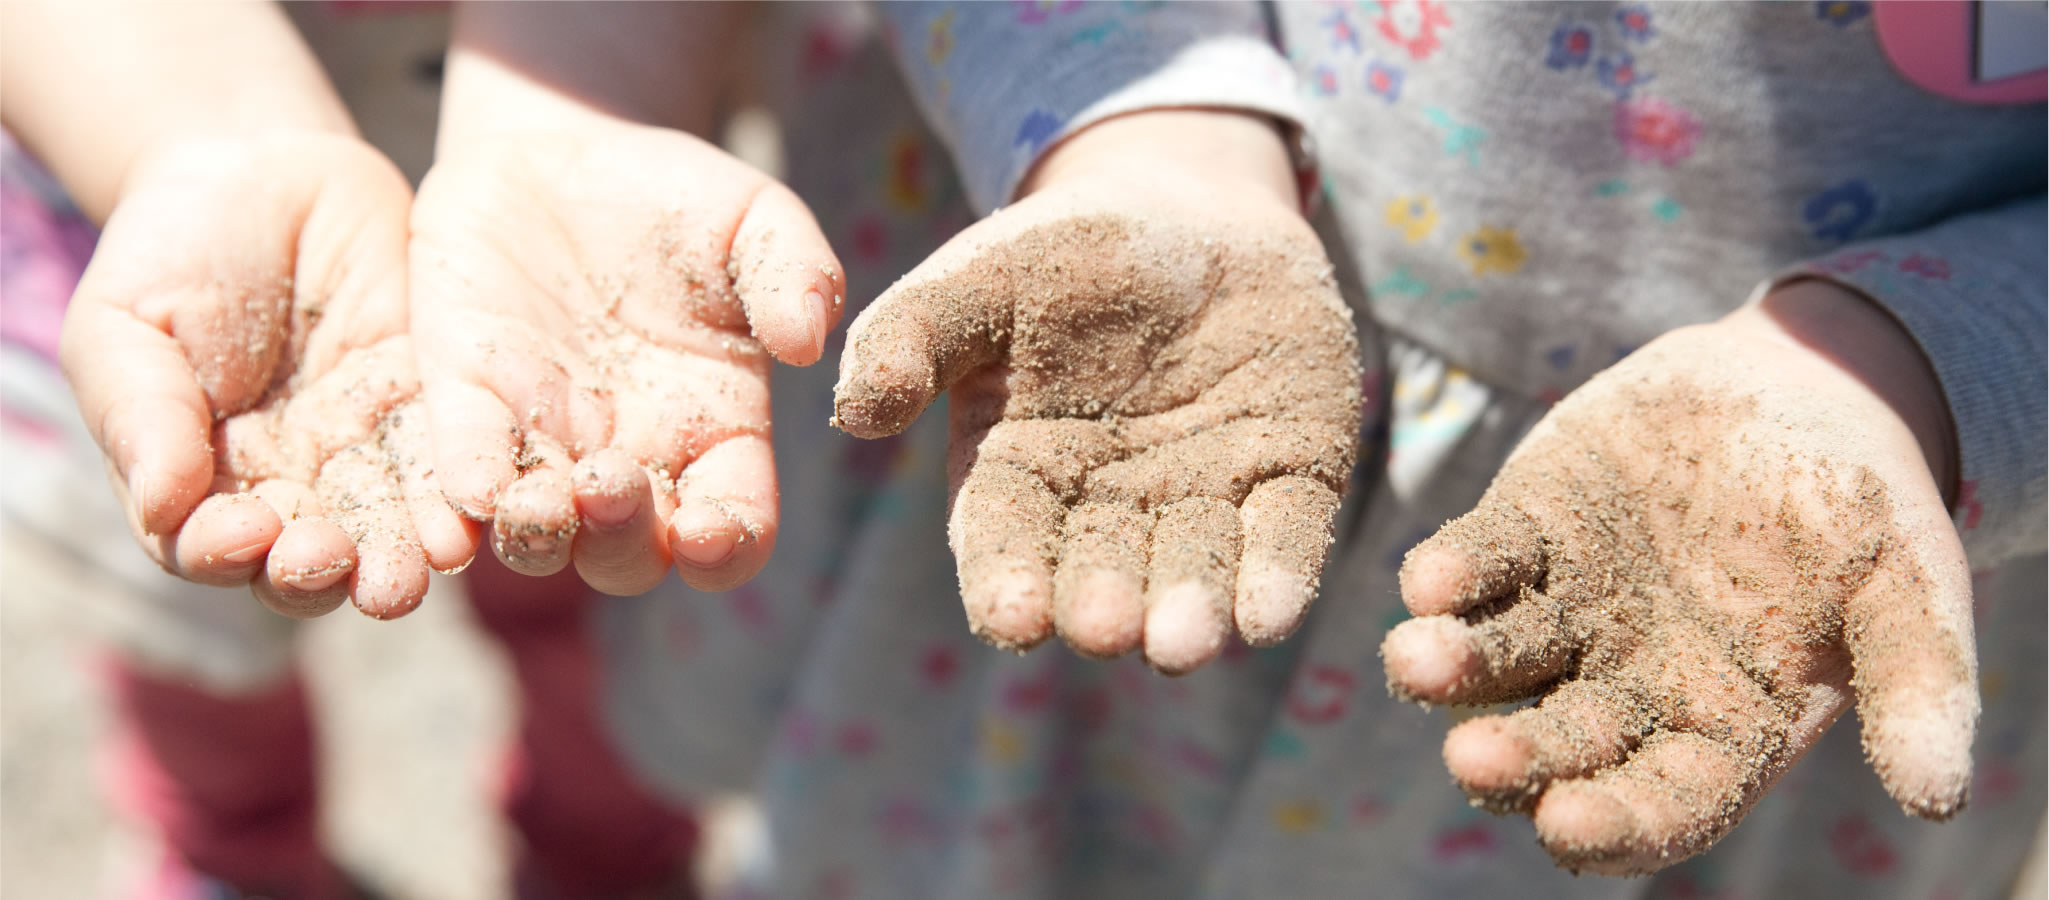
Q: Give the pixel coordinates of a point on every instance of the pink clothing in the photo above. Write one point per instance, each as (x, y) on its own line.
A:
(590, 828)
(230, 782)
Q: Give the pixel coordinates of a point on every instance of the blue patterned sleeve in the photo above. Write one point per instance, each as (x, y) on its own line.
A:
(1971, 291)
(1001, 82)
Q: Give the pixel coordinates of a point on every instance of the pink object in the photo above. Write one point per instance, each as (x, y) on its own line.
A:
(44, 245)
(590, 829)
(1321, 694)
(1652, 130)
(1472, 841)
(1934, 44)
(228, 782)
(1861, 847)
(1414, 25)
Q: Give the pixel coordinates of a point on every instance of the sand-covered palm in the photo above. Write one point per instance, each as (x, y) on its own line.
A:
(1697, 561)
(595, 317)
(238, 347)
(1154, 410)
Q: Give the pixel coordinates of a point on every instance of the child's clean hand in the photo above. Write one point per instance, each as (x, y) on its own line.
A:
(238, 348)
(1696, 562)
(1155, 396)
(602, 292)
(597, 301)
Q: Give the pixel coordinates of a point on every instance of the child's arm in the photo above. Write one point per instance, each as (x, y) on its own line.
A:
(93, 87)
(597, 288)
(1727, 538)
(237, 343)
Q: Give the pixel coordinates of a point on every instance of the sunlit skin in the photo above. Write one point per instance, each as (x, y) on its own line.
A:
(600, 296)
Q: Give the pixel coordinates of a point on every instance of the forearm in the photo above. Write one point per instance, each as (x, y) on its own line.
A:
(534, 66)
(93, 87)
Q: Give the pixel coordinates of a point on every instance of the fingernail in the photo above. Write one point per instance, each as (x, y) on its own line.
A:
(317, 578)
(468, 511)
(138, 494)
(707, 549)
(1182, 629)
(605, 506)
(525, 546)
(248, 554)
(610, 517)
(819, 313)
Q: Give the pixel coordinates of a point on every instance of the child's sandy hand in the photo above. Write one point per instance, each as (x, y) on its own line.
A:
(594, 304)
(1696, 561)
(1154, 409)
(238, 347)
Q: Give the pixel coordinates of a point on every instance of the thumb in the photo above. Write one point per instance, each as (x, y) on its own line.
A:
(949, 316)
(144, 406)
(786, 276)
(1916, 665)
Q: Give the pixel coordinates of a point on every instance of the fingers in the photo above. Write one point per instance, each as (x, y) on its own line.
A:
(535, 527)
(1479, 556)
(226, 539)
(391, 569)
(448, 540)
(1106, 601)
(1673, 799)
(144, 407)
(786, 276)
(1099, 586)
(345, 405)
(1287, 531)
(1504, 762)
(307, 573)
(360, 492)
(725, 523)
(1005, 534)
(495, 384)
(1195, 550)
(1504, 656)
(1099, 579)
(1916, 679)
(622, 545)
(670, 408)
(475, 438)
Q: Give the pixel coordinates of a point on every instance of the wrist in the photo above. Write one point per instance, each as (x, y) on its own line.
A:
(1223, 148)
(1857, 336)
(526, 67)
